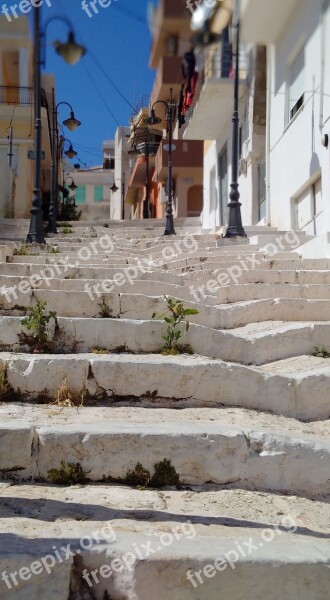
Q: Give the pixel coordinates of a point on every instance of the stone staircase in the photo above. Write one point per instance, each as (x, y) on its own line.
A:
(244, 419)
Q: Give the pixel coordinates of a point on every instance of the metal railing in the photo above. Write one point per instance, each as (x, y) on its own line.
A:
(16, 95)
(216, 63)
(141, 104)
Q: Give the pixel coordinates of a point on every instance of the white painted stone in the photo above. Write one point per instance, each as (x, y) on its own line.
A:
(202, 381)
(16, 447)
(132, 521)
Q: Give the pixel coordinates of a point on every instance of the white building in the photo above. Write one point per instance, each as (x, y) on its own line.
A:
(122, 171)
(210, 119)
(284, 118)
(93, 194)
(297, 35)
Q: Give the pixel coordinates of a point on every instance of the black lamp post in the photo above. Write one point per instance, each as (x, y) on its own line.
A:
(114, 188)
(146, 202)
(71, 123)
(153, 120)
(235, 227)
(71, 52)
(203, 38)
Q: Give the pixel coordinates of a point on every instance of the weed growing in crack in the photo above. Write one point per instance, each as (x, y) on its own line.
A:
(177, 315)
(66, 398)
(24, 250)
(37, 322)
(4, 385)
(138, 476)
(321, 351)
(99, 350)
(164, 475)
(105, 310)
(68, 474)
(64, 224)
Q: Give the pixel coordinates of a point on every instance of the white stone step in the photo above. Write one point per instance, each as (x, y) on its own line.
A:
(142, 307)
(254, 344)
(232, 538)
(220, 446)
(283, 387)
(206, 294)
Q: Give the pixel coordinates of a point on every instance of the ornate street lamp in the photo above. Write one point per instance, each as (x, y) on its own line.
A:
(72, 185)
(204, 38)
(71, 123)
(70, 153)
(71, 52)
(235, 227)
(154, 120)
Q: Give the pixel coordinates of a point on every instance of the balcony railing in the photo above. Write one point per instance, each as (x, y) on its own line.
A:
(16, 95)
(217, 64)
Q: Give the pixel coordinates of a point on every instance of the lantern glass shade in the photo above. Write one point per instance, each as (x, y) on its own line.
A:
(114, 188)
(72, 123)
(152, 119)
(71, 153)
(73, 186)
(70, 51)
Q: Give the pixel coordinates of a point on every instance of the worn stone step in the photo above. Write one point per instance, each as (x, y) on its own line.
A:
(141, 307)
(198, 544)
(123, 280)
(237, 447)
(254, 344)
(283, 387)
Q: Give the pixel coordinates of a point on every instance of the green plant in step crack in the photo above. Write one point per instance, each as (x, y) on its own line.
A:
(174, 315)
(37, 322)
(100, 350)
(68, 474)
(24, 250)
(4, 387)
(165, 475)
(137, 476)
(105, 310)
(321, 351)
(54, 250)
(64, 224)
(66, 230)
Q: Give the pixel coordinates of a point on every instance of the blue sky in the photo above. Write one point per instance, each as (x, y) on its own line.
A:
(118, 39)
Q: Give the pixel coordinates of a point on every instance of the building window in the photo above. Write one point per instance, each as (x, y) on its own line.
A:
(309, 209)
(296, 84)
(98, 193)
(80, 194)
(109, 163)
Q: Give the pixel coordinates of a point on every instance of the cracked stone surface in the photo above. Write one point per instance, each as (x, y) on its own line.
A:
(245, 421)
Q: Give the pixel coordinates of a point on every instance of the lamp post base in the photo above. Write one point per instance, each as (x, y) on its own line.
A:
(51, 227)
(169, 226)
(235, 227)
